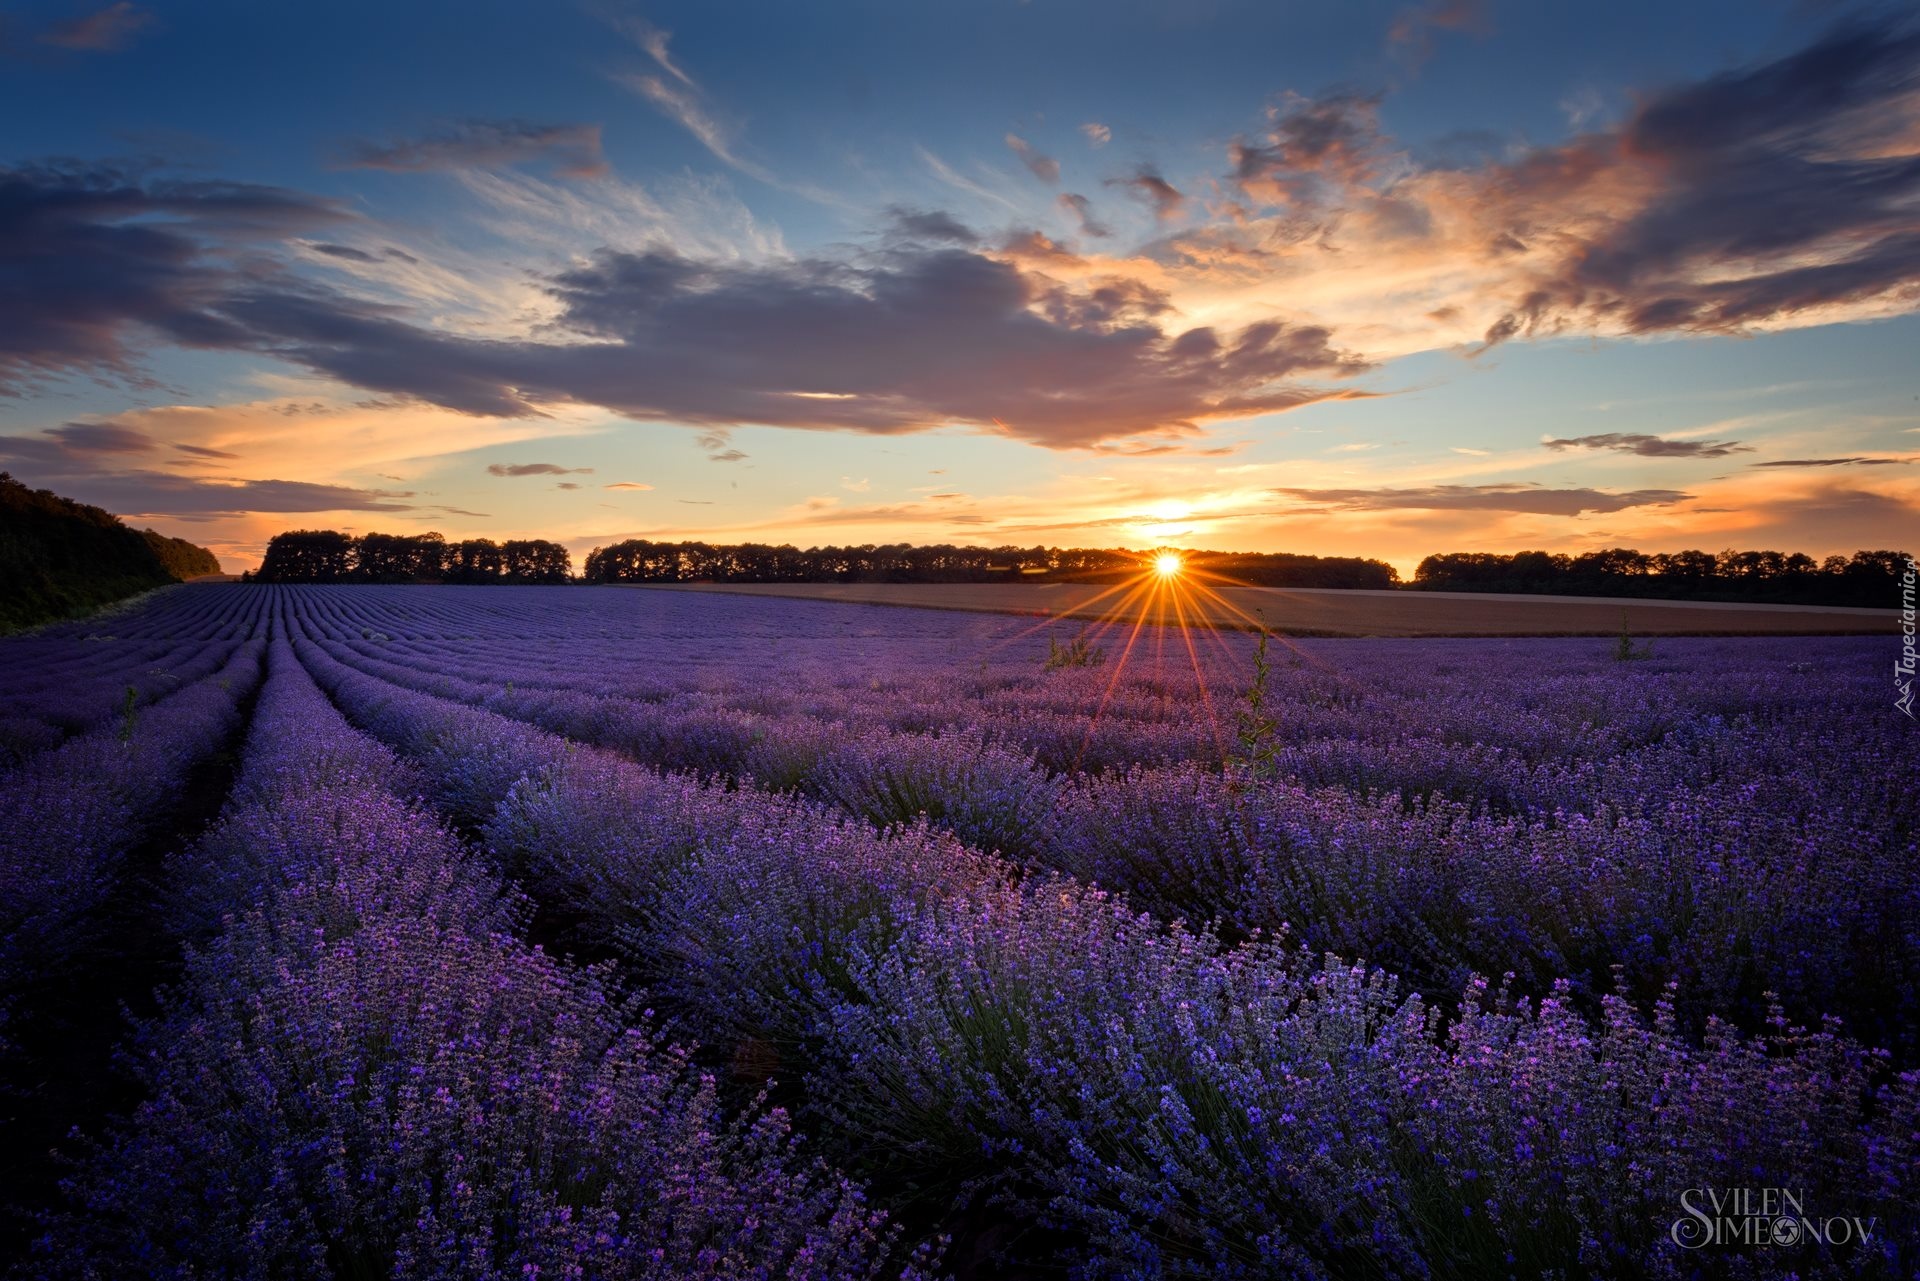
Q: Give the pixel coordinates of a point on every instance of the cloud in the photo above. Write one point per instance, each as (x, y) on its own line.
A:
(954, 178)
(682, 103)
(535, 469)
(150, 493)
(347, 252)
(1166, 200)
(567, 484)
(573, 150)
(93, 261)
(1834, 462)
(1532, 499)
(1045, 168)
(105, 31)
(1318, 151)
(912, 224)
(910, 341)
(1650, 446)
(627, 484)
(1787, 190)
(204, 451)
(1082, 210)
(719, 446)
(1098, 135)
(101, 438)
(1412, 31)
(654, 41)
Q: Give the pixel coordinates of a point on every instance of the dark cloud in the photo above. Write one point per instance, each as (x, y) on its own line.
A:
(1166, 200)
(1082, 210)
(202, 451)
(1531, 499)
(573, 150)
(347, 252)
(1775, 189)
(911, 342)
(535, 469)
(150, 493)
(80, 447)
(1318, 150)
(93, 260)
(912, 338)
(101, 438)
(1834, 462)
(567, 484)
(1045, 168)
(1651, 446)
(106, 31)
(910, 224)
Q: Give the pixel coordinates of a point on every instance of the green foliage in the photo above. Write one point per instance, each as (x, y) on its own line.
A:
(637, 560)
(60, 559)
(129, 710)
(329, 556)
(1867, 578)
(1078, 652)
(180, 558)
(1625, 649)
(1255, 729)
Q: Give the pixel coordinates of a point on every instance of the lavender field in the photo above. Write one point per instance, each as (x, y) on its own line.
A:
(553, 932)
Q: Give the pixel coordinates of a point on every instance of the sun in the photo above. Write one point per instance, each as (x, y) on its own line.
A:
(1166, 564)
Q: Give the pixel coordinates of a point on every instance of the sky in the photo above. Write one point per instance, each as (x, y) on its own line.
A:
(1377, 279)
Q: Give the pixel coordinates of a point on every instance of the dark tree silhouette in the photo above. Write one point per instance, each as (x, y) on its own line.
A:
(59, 558)
(1868, 578)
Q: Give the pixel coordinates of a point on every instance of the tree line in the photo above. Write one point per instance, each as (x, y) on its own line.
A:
(640, 561)
(1868, 578)
(60, 558)
(329, 556)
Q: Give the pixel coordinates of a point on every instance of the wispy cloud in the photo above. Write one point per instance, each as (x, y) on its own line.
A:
(536, 469)
(574, 150)
(1043, 167)
(1646, 446)
(1166, 200)
(654, 41)
(1411, 34)
(1081, 210)
(954, 178)
(1834, 462)
(106, 30)
(1535, 499)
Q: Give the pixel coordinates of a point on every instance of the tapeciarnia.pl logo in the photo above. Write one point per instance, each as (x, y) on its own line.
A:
(1761, 1216)
(1903, 667)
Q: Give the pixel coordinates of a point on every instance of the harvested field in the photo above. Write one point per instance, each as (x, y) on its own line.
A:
(1325, 612)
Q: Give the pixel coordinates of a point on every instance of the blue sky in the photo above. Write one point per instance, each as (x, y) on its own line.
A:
(1380, 279)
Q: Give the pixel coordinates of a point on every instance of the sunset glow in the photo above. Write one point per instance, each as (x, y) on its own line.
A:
(1166, 564)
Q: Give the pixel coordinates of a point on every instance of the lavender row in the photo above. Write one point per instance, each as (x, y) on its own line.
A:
(364, 1071)
(1181, 1106)
(1806, 892)
(55, 687)
(71, 815)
